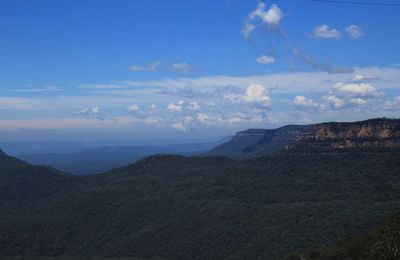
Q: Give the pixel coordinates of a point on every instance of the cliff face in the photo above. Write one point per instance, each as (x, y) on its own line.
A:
(374, 133)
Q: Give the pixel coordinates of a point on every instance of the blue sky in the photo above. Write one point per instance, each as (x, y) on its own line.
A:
(88, 70)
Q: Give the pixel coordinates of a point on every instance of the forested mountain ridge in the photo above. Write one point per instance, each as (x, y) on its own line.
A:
(210, 207)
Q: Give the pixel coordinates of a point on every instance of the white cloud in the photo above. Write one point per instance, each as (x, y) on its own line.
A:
(355, 90)
(304, 101)
(40, 89)
(179, 126)
(247, 29)
(354, 31)
(134, 108)
(291, 82)
(89, 112)
(264, 59)
(334, 100)
(182, 67)
(358, 101)
(194, 106)
(271, 18)
(351, 94)
(392, 105)
(323, 31)
(256, 93)
(176, 107)
(202, 117)
(363, 78)
(150, 67)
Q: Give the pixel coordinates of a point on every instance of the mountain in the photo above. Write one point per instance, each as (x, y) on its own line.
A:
(258, 142)
(203, 207)
(100, 159)
(372, 133)
(21, 182)
(382, 242)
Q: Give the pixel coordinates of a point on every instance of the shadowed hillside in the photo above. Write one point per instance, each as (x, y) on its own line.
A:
(175, 207)
(382, 242)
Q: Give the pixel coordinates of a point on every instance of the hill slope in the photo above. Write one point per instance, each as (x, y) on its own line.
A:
(209, 208)
(175, 207)
(382, 242)
(22, 182)
(257, 142)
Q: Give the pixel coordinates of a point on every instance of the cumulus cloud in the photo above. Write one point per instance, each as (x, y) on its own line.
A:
(179, 127)
(355, 90)
(265, 59)
(254, 94)
(354, 31)
(334, 101)
(351, 94)
(257, 93)
(300, 56)
(323, 31)
(176, 107)
(270, 18)
(149, 67)
(182, 67)
(304, 102)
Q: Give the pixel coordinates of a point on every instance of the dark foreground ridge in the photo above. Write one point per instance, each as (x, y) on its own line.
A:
(382, 242)
(176, 207)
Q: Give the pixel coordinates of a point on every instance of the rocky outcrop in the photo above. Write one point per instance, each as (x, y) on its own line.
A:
(373, 133)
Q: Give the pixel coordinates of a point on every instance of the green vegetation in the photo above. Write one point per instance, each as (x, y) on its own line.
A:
(382, 242)
(174, 207)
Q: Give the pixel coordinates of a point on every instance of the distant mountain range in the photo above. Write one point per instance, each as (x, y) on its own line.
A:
(104, 158)
(332, 182)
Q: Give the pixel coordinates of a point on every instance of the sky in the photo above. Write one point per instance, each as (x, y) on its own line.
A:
(87, 70)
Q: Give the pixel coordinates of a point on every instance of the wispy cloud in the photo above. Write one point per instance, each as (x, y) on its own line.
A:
(354, 31)
(182, 67)
(149, 67)
(300, 56)
(40, 89)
